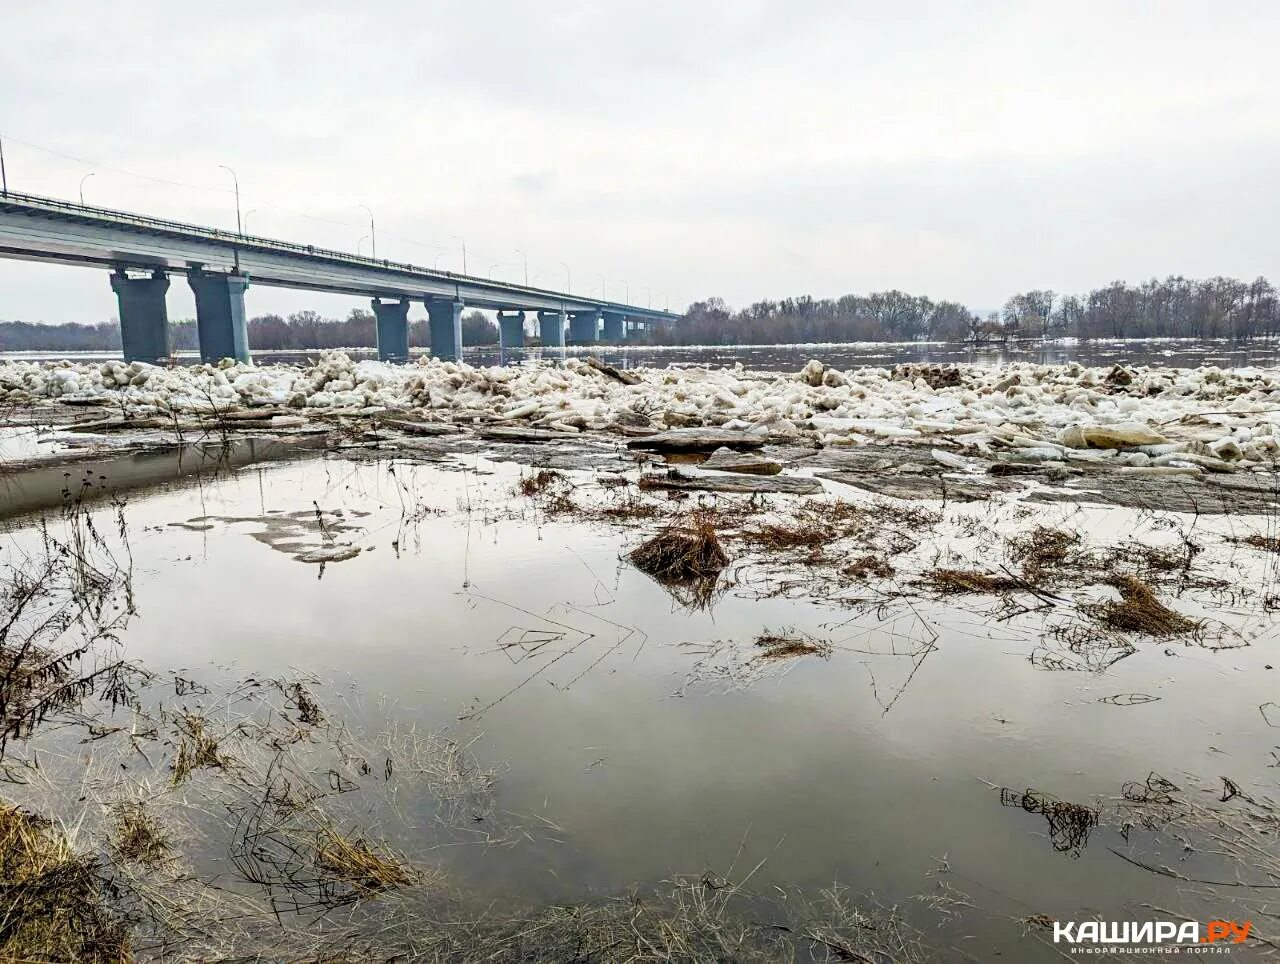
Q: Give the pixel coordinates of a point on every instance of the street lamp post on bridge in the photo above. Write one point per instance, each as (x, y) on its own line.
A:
(373, 234)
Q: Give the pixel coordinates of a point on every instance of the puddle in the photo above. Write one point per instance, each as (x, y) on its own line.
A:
(914, 748)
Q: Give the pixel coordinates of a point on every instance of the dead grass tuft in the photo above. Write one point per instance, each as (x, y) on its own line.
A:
(138, 836)
(539, 482)
(955, 581)
(309, 712)
(50, 897)
(360, 864)
(790, 644)
(1155, 560)
(869, 565)
(1139, 611)
(197, 749)
(1262, 543)
(686, 558)
(683, 552)
(783, 536)
(1043, 550)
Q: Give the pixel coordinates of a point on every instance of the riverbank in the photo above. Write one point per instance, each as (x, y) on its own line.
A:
(438, 682)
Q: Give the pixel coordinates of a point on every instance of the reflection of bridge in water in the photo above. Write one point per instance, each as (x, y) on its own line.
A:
(141, 252)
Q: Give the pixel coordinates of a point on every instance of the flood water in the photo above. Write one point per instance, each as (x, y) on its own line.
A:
(1174, 353)
(878, 767)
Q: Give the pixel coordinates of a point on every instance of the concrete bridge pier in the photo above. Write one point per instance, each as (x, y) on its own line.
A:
(584, 326)
(220, 315)
(393, 329)
(444, 316)
(615, 326)
(551, 328)
(144, 319)
(511, 329)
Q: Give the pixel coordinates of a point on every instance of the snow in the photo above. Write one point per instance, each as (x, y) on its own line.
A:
(1204, 418)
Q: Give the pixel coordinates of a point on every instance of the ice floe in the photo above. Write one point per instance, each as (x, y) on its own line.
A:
(1195, 419)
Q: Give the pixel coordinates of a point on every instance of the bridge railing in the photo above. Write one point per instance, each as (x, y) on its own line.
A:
(213, 234)
(283, 247)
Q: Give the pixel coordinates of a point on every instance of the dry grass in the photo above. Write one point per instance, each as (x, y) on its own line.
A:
(684, 552)
(360, 864)
(309, 712)
(784, 536)
(790, 644)
(1042, 551)
(955, 581)
(1138, 610)
(1261, 543)
(702, 918)
(138, 837)
(30, 677)
(538, 483)
(870, 565)
(197, 749)
(50, 897)
(1154, 561)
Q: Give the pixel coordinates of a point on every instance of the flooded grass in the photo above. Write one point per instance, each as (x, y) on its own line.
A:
(956, 581)
(197, 748)
(138, 836)
(369, 868)
(1140, 611)
(52, 905)
(298, 814)
(790, 644)
(685, 553)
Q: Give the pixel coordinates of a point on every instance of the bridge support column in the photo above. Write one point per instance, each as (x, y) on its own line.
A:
(551, 328)
(615, 326)
(445, 320)
(220, 315)
(584, 326)
(393, 329)
(511, 329)
(144, 320)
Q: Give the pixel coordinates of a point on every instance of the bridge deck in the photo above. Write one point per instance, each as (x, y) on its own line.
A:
(43, 229)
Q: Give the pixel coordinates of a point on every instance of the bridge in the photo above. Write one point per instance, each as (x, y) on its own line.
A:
(141, 252)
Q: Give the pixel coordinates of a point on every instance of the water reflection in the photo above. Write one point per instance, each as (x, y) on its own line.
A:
(470, 615)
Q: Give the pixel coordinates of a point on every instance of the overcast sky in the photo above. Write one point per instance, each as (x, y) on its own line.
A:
(743, 149)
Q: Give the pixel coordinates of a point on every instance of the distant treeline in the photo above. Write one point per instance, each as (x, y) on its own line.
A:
(1174, 308)
(301, 330)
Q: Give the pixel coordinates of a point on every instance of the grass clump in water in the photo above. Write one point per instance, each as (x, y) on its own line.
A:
(197, 749)
(138, 836)
(360, 864)
(870, 565)
(782, 536)
(1260, 542)
(1069, 823)
(538, 483)
(50, 898)
(1042, 551)
(790, 644)
(1138, 610)
(955, 581)
(686, 558)
(683, 552)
